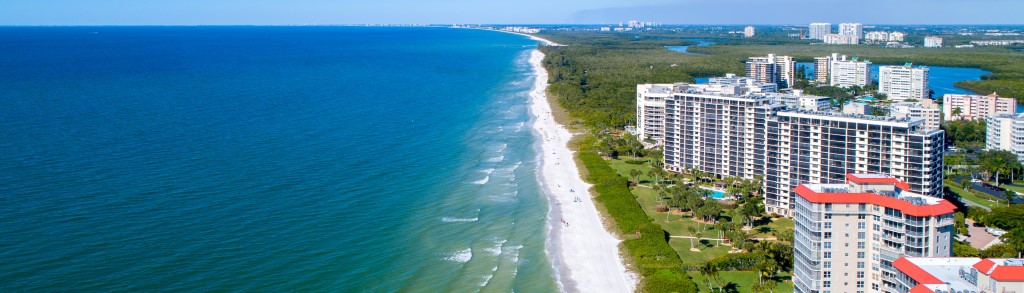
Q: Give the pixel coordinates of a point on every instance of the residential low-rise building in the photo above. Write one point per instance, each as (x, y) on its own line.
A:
(748, 31)
(848, 235)
(876, 37)
(839, 39)
(896, 36)
(970, 107)
(932, 42)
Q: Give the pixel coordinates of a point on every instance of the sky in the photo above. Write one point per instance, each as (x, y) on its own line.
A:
(287, 12)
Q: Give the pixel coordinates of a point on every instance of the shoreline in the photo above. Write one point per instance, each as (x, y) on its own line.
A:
(584, 255)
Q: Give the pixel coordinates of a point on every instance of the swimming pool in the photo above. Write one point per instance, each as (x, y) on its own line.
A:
(717, 194)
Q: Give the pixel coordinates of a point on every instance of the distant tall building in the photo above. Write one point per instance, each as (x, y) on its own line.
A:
(854, 30)
(850, 234)
(849, 72)
(902, 83)
(780, 70)
(932, 42)
(976, 106)
(818, 30)
(748, 31)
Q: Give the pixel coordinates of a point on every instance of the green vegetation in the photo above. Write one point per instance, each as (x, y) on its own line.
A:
(645, 242)
(998, 162)
(971, 195)
(965, 133)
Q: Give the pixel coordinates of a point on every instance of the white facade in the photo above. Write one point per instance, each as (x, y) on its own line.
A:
(926, 109)
(650, 111)
(854, 30)
(748, 31)
(818, 30)
(975, 106)
(932, 42)
(822, 147)
(751, 84)
(896, 36)
(838, 39)
(1005, 132)
(822, 68)
(848, 235)
(876, 37)
(772, 69)
(845, 72)
(902, 83)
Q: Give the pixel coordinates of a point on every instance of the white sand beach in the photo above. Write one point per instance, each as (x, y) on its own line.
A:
(585, 255)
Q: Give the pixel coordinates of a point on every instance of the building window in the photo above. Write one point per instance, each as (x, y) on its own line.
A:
(827, 274)
(828, 254)
(861, 225)
(861, 235)
(862, 216)
(860, 275)
(828, 216)
(828, 235)
(828, 265)
(861, 245)
(860, 254)
(828, 245)
(874, 286)
(828, 225)
(860, 265)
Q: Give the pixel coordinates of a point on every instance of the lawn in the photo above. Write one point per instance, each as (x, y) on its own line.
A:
(740, 281)
(972, 196)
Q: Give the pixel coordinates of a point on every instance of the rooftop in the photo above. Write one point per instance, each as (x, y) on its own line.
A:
(905, 201)
(950, 273)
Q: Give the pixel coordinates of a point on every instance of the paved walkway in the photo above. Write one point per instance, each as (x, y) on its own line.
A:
(979, 238)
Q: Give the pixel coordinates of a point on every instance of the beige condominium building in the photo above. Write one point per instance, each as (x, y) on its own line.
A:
(848, 235)
(717, 131)
(926, 109)
(837, 70)
(959, 274)
(780, 70)
(970, 107)
(905, 82)
(822, 147)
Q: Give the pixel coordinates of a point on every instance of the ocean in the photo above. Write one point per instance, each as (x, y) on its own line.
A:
(319, 159)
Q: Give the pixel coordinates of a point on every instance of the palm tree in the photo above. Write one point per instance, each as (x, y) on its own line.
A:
(698, 235)
(636, 175)
(1009, 195)
(964, 183)
(710, 272)
(693, 231)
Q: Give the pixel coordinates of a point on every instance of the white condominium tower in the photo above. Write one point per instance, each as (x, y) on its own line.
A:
(903, 82)
(717, 130)
(975, 106)
(818, 30)
(748, 31)
(1005, 131)
(849, 235)
(849, 72)
(822, 147)
(854, 30)
(650, 111)
(772, 69)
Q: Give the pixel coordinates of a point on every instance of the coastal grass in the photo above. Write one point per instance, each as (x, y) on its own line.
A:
(741, 281)
(646, 243)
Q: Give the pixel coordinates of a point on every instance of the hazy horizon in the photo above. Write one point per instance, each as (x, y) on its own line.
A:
(536, 12)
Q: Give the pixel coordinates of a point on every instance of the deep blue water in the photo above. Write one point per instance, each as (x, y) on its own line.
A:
(269, 159)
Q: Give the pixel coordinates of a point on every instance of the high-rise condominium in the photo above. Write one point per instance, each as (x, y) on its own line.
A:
(902, 83)
(780, 70)
(849, 235)
(818, 30)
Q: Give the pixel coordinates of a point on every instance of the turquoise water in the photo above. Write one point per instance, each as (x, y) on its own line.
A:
(310, 159)
(716, 194)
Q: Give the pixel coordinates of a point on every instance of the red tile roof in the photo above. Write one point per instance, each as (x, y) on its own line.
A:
(915, 272)
(941, 208)
(920, 288)
(1000, 272)
(876, 180)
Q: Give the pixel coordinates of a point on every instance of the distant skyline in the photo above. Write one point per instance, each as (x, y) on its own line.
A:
(300, 12)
